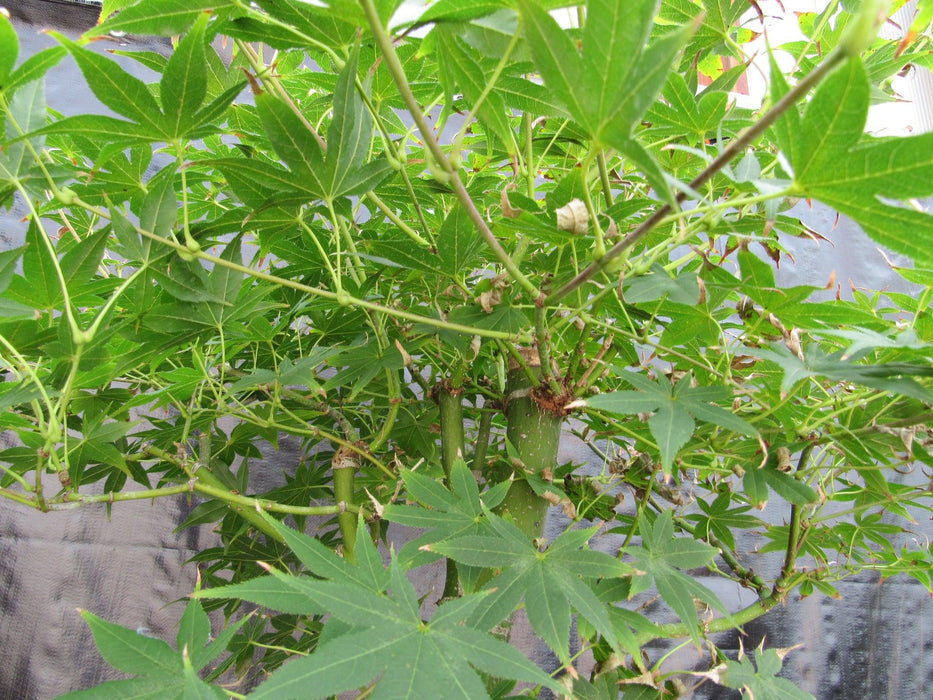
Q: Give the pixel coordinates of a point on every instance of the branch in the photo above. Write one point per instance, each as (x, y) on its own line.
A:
(735, 148)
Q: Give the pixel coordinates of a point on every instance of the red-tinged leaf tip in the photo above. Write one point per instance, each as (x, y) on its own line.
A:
(905, 42)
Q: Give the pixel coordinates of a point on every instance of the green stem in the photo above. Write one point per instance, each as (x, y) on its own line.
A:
(450, 402)
(543, 343)
(482, 439)
(793, 537)
(730, 152)
(203, 481)
(72, 501)
(528, 124)
(17, 497)
(720, 624)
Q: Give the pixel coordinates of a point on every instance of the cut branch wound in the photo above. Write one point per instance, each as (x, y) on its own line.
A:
(345, 464)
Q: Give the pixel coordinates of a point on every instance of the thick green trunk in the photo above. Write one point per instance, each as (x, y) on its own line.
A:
(533, 429)
(345, 464)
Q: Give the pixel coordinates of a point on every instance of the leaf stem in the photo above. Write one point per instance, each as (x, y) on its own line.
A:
(394, 218)
(794, 531)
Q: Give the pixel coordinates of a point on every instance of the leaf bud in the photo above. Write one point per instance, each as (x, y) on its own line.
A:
(82, 337)
(66, 196)
(393, 162)
(437, 171)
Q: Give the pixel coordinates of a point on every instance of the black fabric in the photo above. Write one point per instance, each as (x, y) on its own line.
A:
(53, 14)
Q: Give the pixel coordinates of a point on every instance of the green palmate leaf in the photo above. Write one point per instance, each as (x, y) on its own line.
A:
(178, 687)
(831, 163)
(460, 10)
(271, 592)
(405, 253)
(310, 21)
(560, 64)
(214, 109)
(760, 683)
(39, 287)
(122, 92)
(349, 140)
(255, 182)
(193, 630)
(661, 557)
(816, 362)
(527, 96)
(550, 583)
(609, 87)
(225, 283)
(757, 275)
(166, 673)
(682, 289)
(675, 407)
(789, 487)
(448, 514)
(389, 643)
(9, 49)
(8, 261)
(457, 64)
(184, 81)
(350, 130)
(185, 281)
(80, 263)
(323, 562)
(160, 17)
(614, 34)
